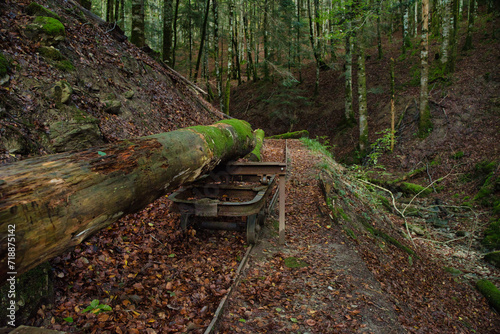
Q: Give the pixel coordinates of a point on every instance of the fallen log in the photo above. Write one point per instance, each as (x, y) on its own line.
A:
(291, 135)
(53, 202)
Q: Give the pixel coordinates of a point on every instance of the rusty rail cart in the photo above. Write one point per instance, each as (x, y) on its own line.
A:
(237, 190)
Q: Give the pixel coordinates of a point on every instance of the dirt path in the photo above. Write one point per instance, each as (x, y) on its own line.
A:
(333, 292)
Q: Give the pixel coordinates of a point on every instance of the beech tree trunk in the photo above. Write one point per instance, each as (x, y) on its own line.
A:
(53, 202)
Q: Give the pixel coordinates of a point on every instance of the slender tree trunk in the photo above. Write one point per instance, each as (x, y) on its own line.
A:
(190, 39)
(452, 55)
(470, 25)
(363, 107)
(393, 110)
(176, 16)
(227, 92)
(406, 28)
(250, 69)
(236, 52)
(266, 42)
(109, 10)
(425, 116)
(218, 74)
(313, 39)
(117, 11)
(57, 201)
(137, 37)
(167, 31)
(202, 40)
(299, 35)
(349, 38)
(379, 35)
(445, 44)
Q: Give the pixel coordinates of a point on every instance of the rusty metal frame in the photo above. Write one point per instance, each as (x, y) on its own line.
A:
(263, 169)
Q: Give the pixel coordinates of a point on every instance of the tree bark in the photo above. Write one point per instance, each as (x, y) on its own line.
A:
(167, 31)
(53, 202)
(362, 103)
(137, 36)
(202, 41)
(425, 121)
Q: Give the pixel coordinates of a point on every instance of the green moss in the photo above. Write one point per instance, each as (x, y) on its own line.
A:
(350, 233)
(485, 196)
(4, 65)
(385, 203)
(484, 168)
(65, 65)
(220, 140)
(293, 262)
(492, 235)
(291, 135)
(50, 26)
(458, 155)
(413, 189)
(453, 271)
(425, 124)
(490, 291)
(35, 9)
(50, 52)
(494, 258)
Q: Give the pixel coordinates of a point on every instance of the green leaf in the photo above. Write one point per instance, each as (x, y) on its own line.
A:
(88, 309)
(171, 293)
(171, 255)
(68, 319)
(101, 153)
(293, 319)
(242, 320)
(278, 309)
(94, 303)
(105, 307)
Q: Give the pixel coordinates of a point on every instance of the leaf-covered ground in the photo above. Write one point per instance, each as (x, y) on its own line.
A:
(157, 279)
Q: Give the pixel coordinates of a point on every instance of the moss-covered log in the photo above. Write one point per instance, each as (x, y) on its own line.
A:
(291, 135)
(50, 203)
(490, 291)
(259, 141)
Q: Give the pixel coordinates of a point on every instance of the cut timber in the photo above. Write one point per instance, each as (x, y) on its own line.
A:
(291, 135)
(255, 155)
(51, 203)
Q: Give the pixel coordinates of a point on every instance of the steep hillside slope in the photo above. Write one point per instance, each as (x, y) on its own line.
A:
(69, 81)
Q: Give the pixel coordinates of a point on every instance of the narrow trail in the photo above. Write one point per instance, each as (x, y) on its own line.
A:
(328, 288)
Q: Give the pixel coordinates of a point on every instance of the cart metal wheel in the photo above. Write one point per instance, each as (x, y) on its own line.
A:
(184, 222)
(252, 229)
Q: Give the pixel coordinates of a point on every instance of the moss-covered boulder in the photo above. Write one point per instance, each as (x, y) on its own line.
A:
(112, 107)
(47, 30)
(32, 289)
(35, 9)
(74, 136)
(50, 52)
(73, 130)
(490, 291)
(492, 235)
(493, 258)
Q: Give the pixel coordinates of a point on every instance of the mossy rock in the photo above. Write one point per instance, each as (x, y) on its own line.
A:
(490, 291)
(413, 189)
(492, 235)
(35, 9)
(112, 107)
(486, 195)
(493, 258)
(293, 262)
(47, 30)
(129, 94)
(50, 52)
(74, 136)
(51, 26)
(65, 65)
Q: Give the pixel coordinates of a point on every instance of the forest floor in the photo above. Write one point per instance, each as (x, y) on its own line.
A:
(156, 279)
